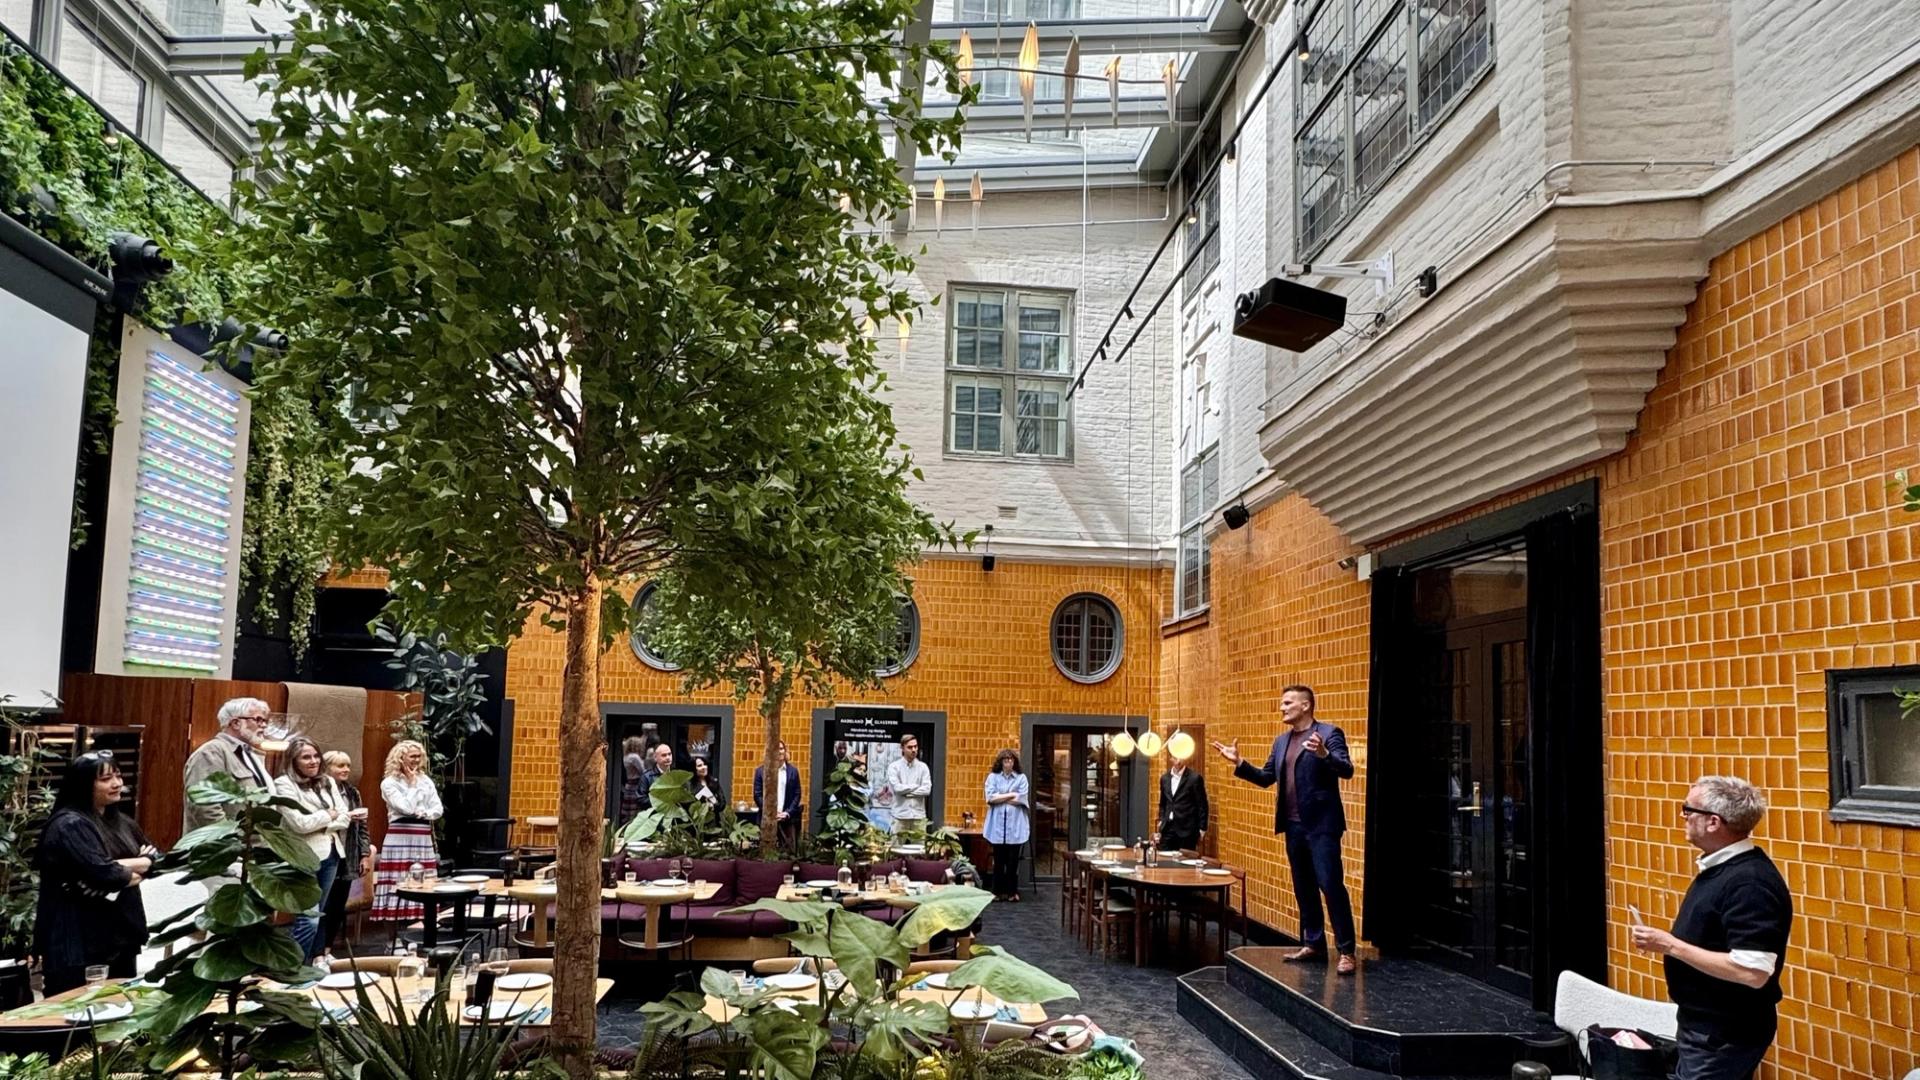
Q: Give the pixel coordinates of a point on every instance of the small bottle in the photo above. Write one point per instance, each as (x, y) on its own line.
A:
(845, 876)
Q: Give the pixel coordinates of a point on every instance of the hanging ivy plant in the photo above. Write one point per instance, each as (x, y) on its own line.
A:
(67, 174)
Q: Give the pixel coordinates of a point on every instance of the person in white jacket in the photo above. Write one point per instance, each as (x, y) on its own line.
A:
(413, 805)
(321, 820)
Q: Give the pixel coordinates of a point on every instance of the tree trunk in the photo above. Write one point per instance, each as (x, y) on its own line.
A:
(583, 798)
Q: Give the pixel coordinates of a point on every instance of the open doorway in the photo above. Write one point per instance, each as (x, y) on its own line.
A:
(635, 728)
(1083, 793)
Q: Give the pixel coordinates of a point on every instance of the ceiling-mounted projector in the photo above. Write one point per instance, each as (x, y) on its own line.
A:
(1288, 314)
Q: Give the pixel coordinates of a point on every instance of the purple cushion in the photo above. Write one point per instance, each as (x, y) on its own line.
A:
(758, 880)
(649, 869)
(929, 870)
(629, 913)
(890, 866)
(711, 920)
(816, 871)
(718, 871)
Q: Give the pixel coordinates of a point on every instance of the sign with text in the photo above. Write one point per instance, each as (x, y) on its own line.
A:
(869, 736)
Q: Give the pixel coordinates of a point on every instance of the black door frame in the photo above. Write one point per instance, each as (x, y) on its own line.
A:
(1137, 772)
(1566, 715)
(721, 716)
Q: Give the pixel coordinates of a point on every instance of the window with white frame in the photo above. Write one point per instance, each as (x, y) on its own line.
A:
(1009, 365)
(196, 158)
(1021, 11)
(1202, 230)
(1199, 491)
(1379, 77)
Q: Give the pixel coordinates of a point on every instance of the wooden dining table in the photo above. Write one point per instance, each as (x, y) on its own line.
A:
(538, 894)
(1166, 875)
(381, 995)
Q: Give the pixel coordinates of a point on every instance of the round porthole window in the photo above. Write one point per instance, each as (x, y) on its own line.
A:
(1087, 637)
(906, 639)
(637, 640)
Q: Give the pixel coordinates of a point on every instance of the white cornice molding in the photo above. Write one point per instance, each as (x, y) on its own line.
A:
(1541, 367)
(1143, 553)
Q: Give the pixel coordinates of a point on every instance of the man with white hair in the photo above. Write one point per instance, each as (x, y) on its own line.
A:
(1723, 955)
(234, 752)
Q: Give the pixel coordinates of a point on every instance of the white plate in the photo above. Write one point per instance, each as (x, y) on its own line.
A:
(528, 980)
(1194, 862)
(452, 886)
(498, 1010)
(968, 1009)
(347, 980)
(472, 879)
(1116, 868)
(1114, 847)
(792, 980)
(1105, 862)
(937, 980)
(101, 1012)
(1218, 873)
(910, 849)
(822, 883)
(1089, 852)
(669, 882)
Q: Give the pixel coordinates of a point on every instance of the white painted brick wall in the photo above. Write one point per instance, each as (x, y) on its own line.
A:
(1791, 55)
(1114, 489)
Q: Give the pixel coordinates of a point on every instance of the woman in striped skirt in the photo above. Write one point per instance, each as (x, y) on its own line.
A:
(413, 805)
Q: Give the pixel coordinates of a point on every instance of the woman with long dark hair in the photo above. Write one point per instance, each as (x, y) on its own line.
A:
(1007, 827)
(706, 787)
(321, 821)
(92, 858)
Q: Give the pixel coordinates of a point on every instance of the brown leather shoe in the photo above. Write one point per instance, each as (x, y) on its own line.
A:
(1347, 964)
(1303, 954)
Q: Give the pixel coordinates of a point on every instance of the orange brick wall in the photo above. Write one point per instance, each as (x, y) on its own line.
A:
(1750, 543)
(984, 660)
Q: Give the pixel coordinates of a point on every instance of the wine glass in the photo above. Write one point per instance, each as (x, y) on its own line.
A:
(498, 960)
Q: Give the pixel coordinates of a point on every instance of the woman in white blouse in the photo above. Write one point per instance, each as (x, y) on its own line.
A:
(413, 805)
(321, 820)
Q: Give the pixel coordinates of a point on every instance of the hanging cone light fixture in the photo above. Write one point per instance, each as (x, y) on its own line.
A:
(870, 327)
(846, 204)
(906, 332)
(939, 203)
(963, 63)
(1072, 80)
(1168, 76)
(977, 192)
(1113, 89)
(1029, 65)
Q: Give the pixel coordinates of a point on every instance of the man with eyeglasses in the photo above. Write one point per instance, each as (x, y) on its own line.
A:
(1723, 955)
(234, 751)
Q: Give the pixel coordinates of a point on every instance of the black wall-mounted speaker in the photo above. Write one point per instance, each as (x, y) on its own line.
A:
(1288, 314)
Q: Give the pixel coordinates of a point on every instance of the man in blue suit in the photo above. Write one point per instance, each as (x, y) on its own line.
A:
(1309, 760)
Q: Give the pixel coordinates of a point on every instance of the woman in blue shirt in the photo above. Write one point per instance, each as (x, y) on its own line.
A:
(1006, 823)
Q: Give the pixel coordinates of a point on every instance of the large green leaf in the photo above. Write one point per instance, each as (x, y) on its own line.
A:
(1008, 977)
(186, 997)
(859, 945)
(235, 905)
(896, 1030)
(271, 947)
(953, 908)
(225, 960)
(207, 834)
(291, 848)
(286, 888)
(681, 1014)
(801, 912)
(784, 1043)
(217, 790)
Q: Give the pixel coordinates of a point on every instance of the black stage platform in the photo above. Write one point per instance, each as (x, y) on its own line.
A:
(1395, 1017)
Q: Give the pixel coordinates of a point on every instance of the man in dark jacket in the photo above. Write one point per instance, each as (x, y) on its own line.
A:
(1183, 808)
(1308, 761)
(1723, 956)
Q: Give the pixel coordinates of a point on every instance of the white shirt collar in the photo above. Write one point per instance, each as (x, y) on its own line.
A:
(1738, 847)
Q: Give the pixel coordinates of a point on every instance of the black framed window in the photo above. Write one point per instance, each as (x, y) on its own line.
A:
(1087, 637)
(637, 640)
(1873, 756)
(906, 640)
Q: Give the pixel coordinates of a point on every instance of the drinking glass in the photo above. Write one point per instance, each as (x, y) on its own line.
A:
(498, 960)
(96, 974)
(630, 877)
(739, 978)
(787, 880)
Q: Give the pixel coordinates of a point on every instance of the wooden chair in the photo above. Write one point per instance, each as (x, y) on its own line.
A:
(932, 967)
(1073, 888)
(671, 934)
(543, 838)
(1109, 912)
(1208, 909)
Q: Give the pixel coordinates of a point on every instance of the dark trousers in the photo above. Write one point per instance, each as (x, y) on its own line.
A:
(1704, 1055)
(58, 980)
(1006, 869)
(333, 910)
(1316, 869)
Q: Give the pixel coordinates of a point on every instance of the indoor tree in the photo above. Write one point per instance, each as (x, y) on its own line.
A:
(578, 287)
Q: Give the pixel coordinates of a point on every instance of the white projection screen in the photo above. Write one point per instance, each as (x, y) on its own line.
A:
(43, 372)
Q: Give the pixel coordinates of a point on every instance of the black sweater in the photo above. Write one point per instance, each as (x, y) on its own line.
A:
(1740, 904)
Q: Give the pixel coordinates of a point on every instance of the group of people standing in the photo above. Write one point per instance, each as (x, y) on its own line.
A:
(93, 857)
